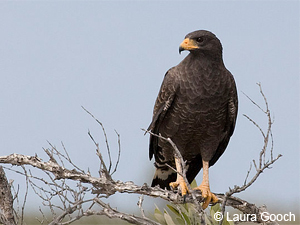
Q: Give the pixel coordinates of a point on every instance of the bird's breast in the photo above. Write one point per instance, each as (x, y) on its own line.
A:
(203, 88)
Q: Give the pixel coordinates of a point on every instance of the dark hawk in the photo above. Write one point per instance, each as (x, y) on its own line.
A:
(196, 108)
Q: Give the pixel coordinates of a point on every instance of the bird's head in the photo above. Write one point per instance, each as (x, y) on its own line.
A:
(201, 41)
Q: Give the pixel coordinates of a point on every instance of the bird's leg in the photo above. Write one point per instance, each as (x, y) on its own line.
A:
(179, 180)
(204, 187)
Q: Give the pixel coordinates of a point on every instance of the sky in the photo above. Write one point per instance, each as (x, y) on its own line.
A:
(111, 56)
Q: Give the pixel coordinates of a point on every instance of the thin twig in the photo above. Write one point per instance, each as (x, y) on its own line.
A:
(119, 153)
(140, 205)
(25, 196)
(103, 170)
(105, 136)
(245, 182)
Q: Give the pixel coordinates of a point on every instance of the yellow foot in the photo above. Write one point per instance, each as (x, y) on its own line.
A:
(182, 185)
(206, 193)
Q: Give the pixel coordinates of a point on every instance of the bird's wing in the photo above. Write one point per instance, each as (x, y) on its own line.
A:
(163, 103)
(232, 108)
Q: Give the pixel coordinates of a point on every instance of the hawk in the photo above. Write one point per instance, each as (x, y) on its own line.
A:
(196, 108)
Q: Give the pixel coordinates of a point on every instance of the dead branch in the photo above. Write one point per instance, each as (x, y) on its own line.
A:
(182, 170)
(263, 164)
(74, 203)
(6, 201)
(106, 187)
(113, 213)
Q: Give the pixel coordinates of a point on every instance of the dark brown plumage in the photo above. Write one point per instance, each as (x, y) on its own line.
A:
(196, 107)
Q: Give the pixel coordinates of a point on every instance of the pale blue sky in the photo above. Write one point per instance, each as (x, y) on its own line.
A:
(110, 57)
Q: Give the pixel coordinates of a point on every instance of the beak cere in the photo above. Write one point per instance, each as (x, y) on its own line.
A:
(187, 44)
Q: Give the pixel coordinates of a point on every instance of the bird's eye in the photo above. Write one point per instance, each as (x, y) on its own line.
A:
(200, 39)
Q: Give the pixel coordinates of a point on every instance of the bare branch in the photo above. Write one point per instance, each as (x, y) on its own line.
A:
(182, 170)
(112, 213)
(6, 201)
(25, 196)
(263, 164)
(251, 120)
(245, 182)
(119, 153)
(103, 172)
(109, 187)
(105, 136)
(77, 202)
(247, 208)
(140, 205)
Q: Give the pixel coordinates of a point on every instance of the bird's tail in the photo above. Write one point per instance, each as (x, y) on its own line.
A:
(163, 177)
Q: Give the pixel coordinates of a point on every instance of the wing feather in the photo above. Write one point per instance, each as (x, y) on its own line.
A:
(163, 103)
(232, 109)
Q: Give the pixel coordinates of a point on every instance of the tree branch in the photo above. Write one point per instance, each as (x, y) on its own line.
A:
(6, 201)
(109, 187)
(74, 201)
(263, 164)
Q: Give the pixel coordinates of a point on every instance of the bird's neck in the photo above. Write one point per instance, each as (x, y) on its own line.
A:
(204, 61)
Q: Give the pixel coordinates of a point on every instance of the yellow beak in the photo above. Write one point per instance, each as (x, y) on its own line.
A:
(188, 44)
